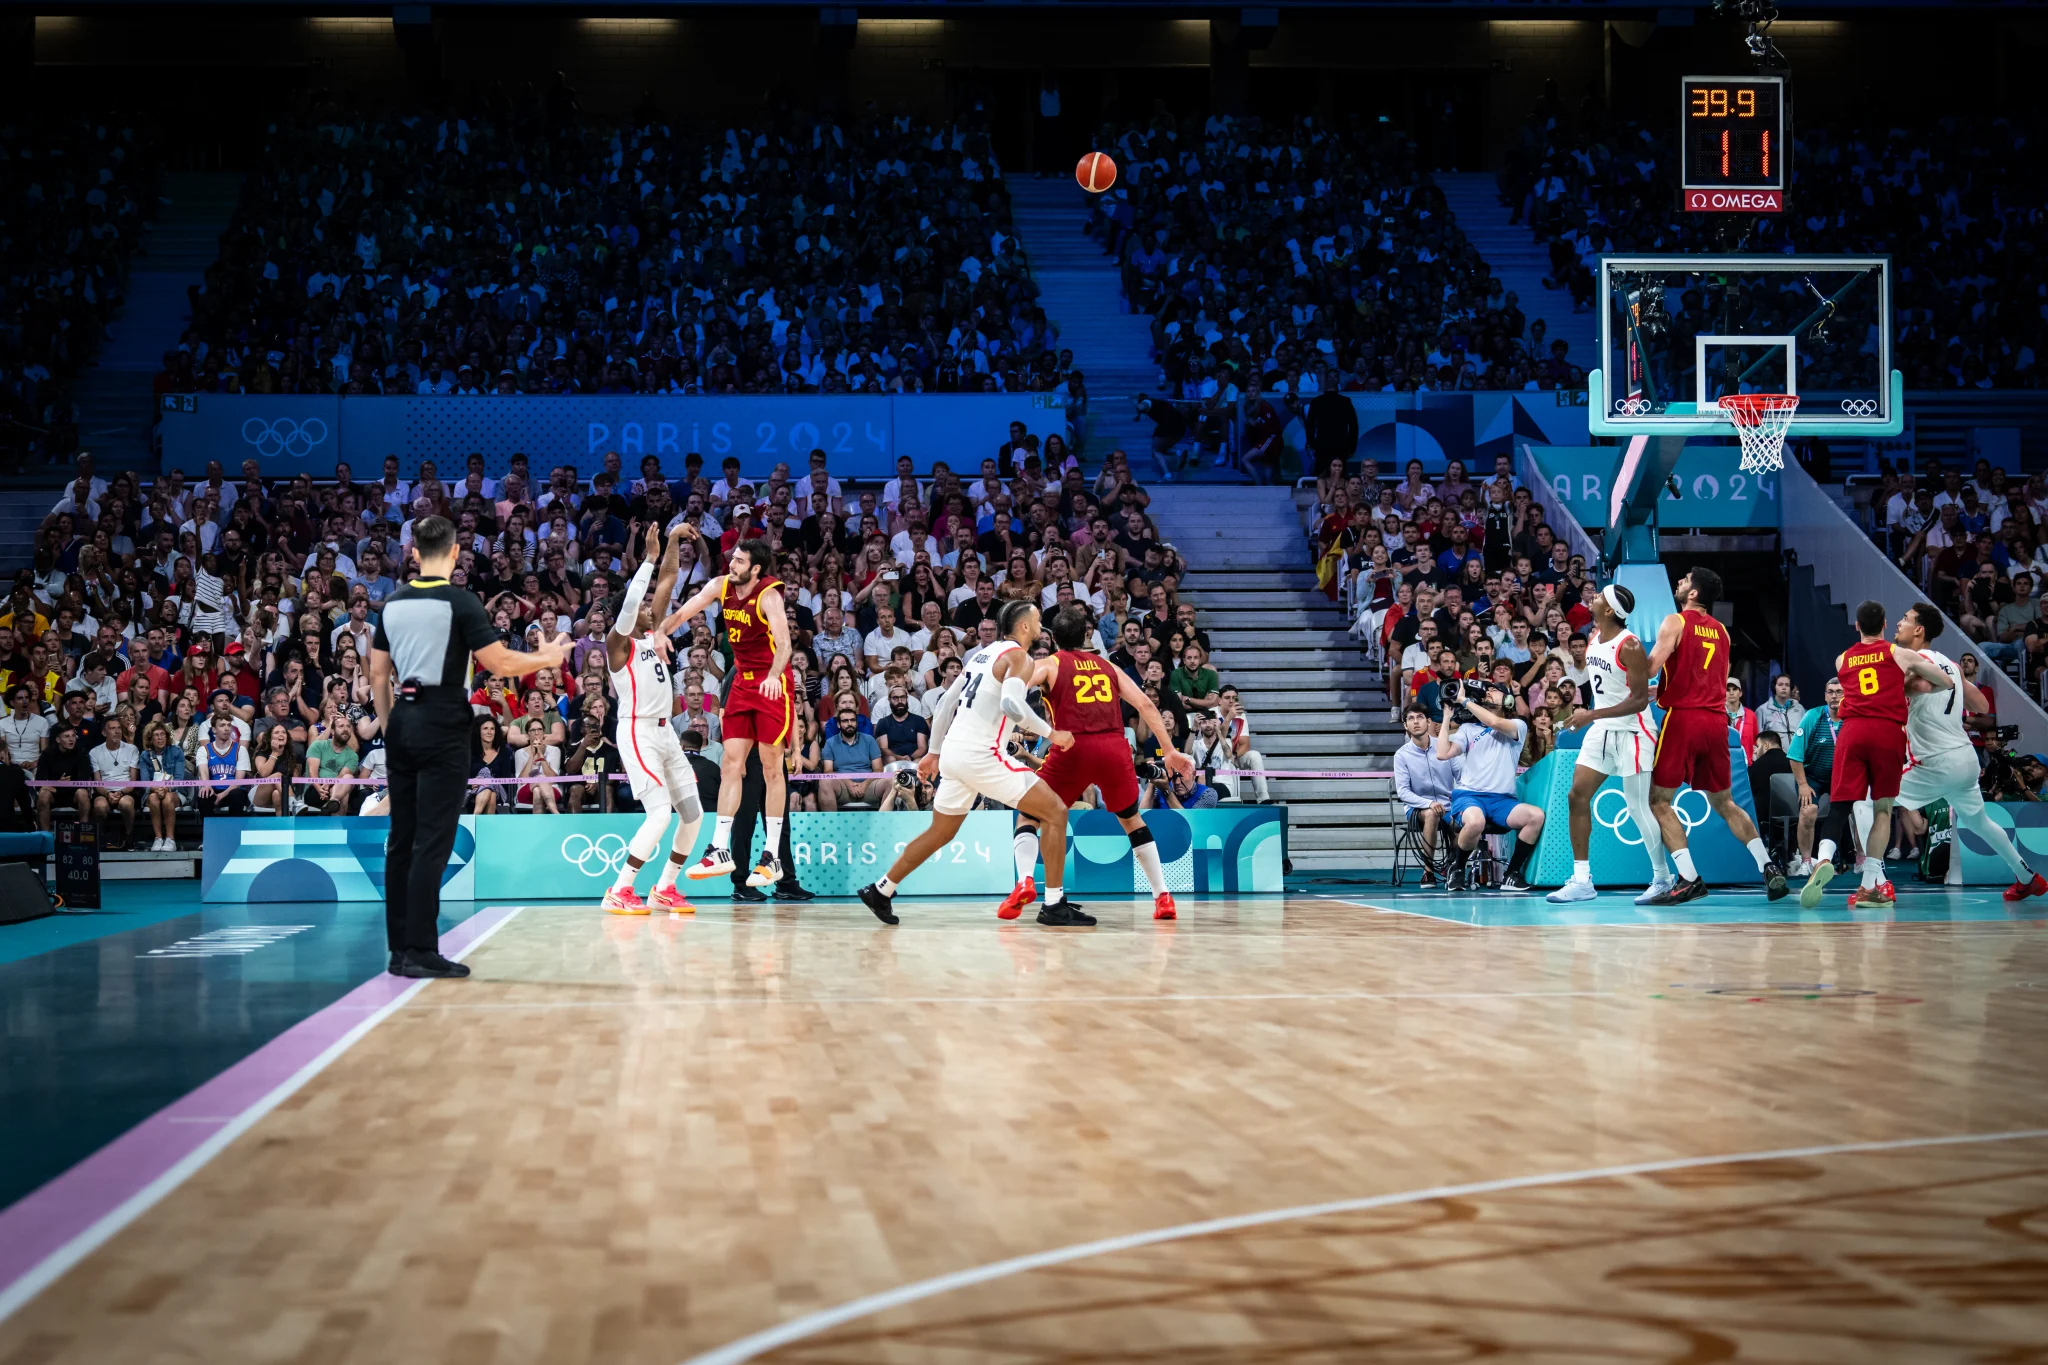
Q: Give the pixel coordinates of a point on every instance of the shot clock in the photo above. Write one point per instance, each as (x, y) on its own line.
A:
(1737, 154)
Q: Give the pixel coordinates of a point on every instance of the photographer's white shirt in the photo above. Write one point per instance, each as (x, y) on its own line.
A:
(1489, 760)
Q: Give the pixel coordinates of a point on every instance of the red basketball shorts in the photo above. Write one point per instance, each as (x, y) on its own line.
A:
(1870, 758)
(1692, 750)
(749, 715)
(1101, 759)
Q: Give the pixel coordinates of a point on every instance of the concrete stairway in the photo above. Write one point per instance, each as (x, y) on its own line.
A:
(21, 512)
(1083, 297)
(1313, 702)
(114, 397)
(1519, 261)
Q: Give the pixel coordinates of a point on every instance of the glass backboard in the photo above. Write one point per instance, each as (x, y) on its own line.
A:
(1679, 332)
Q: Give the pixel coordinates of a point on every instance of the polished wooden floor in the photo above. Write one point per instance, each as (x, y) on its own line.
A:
(641, 1141)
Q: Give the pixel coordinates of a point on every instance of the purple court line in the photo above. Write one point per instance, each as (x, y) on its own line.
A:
(47, 1231)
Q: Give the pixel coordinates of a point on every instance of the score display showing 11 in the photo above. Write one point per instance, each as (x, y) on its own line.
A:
(1735, 151)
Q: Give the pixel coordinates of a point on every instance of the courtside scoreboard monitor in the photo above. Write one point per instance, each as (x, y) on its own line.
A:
(1737, 155)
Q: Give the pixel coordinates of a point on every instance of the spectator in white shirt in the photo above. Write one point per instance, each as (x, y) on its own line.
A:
(930, 622)
(885, 637)
(1238, 727)
(114, 764)
(24, 729)
(904, 482)
(95, 681)
(819, 480)
(916, 536)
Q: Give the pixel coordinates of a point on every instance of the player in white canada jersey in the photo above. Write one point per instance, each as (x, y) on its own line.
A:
(971, 723)
(1620, 742)
(1941, 763)
(662, 779)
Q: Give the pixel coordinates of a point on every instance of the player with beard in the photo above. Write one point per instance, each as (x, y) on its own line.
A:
(1083, 691)
(760, 705)
(661, 777)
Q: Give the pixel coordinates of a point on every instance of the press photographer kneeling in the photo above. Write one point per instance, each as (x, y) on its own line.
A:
(1490, 743)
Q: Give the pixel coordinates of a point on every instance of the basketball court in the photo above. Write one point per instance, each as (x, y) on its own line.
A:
(1295, 1127)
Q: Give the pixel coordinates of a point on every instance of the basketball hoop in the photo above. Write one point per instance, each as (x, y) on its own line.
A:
(1761, 420)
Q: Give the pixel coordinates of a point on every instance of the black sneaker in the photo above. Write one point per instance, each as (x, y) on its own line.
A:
(742, 892)
(1429, 881)
(871, 896)
(1065, 916)
(790, 891)
(417, 964)
(1454, 880)
(1683, 891)
(1775, 884)
(1516, 882)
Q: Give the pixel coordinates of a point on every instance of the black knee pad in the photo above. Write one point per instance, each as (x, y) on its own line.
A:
(1129, 812)
(1140, 836)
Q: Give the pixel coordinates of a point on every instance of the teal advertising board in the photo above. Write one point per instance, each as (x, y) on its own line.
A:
(574, 857)
(1616, 846)
(1712, 489)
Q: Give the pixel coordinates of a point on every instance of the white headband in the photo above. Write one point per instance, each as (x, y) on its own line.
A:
(1614, 600)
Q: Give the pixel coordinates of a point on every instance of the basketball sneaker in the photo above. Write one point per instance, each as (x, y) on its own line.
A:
(1064, 916)
(1775, 884)
(1577, 889)
(1656, 891)
(2019, 890)
(884, 906)
(1816, 883)
(1021, 895)
(624, 900)
(1162, 906)
(716, 862)
(767, 870)
(672, 899)
(1879, 897)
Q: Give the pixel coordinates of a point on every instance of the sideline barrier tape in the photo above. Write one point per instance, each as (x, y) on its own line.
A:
(572, 778)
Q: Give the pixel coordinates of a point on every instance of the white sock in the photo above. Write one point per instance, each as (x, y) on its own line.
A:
(1582, 869)
(627, 871)
(1147, 855)
(669, 867)
(1758, 851)
(1826, 852)
(1873, 871)
(721, 833)
(1681, 858)
(1992, 833)
(1055, 894)
(771, 837)
(1025, 847)
(886, 887)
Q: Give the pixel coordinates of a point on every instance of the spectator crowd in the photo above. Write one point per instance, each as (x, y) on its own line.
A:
(518, 248)
(1967, 193)
(74, 193)
(221, 629)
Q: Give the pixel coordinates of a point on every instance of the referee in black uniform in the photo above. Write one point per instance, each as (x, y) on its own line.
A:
(419, 672)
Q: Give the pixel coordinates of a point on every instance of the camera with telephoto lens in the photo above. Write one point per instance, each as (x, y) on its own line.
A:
(906, 778)
(1455, 710)
(1151, 769)
(2005, 734)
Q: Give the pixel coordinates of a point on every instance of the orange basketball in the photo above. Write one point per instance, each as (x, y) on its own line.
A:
(1096, 172)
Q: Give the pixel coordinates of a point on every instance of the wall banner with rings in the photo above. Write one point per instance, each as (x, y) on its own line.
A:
(1616, 846)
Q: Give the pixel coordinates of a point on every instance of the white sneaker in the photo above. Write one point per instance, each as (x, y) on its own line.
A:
(165, 846)
(1577, 889)
(1656, 889)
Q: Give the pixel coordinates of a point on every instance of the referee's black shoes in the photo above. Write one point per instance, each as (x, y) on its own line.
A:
(790, 891)
(413, 963)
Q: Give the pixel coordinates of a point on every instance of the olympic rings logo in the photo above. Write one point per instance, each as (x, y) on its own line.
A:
(607, 851)
(1860, 407)
(285, 436)
(1633, 407)
(1615, 818)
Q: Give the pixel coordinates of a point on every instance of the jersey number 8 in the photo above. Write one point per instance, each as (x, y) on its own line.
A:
(1866, 681)
(1092, 687)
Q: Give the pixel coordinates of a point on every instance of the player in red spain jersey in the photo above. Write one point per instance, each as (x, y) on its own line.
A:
(759, 705)
(1083, 691)
(1870, 753)
(1692, 745)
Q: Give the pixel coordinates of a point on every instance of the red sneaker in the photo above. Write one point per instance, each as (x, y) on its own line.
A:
(1021, 895)
(2019, 891)
(671, 899)
(624, 900)
(1162, 905)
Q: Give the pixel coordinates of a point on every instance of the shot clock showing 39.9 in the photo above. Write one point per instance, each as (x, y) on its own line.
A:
(1735, 142)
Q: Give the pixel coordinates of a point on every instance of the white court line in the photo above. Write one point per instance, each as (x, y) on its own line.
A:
(811, 1324)
(53, 1267)
(721, 1002)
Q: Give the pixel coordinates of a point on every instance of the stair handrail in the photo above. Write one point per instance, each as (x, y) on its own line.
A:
(1562, 523)
(1825, 539)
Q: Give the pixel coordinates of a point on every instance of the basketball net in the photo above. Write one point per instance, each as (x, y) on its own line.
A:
(1761, 420)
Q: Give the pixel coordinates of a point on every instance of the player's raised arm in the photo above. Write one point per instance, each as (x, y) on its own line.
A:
(665, 576)
(636, 587)
(1917, 665)
(1148, 713)
(1667, 641)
